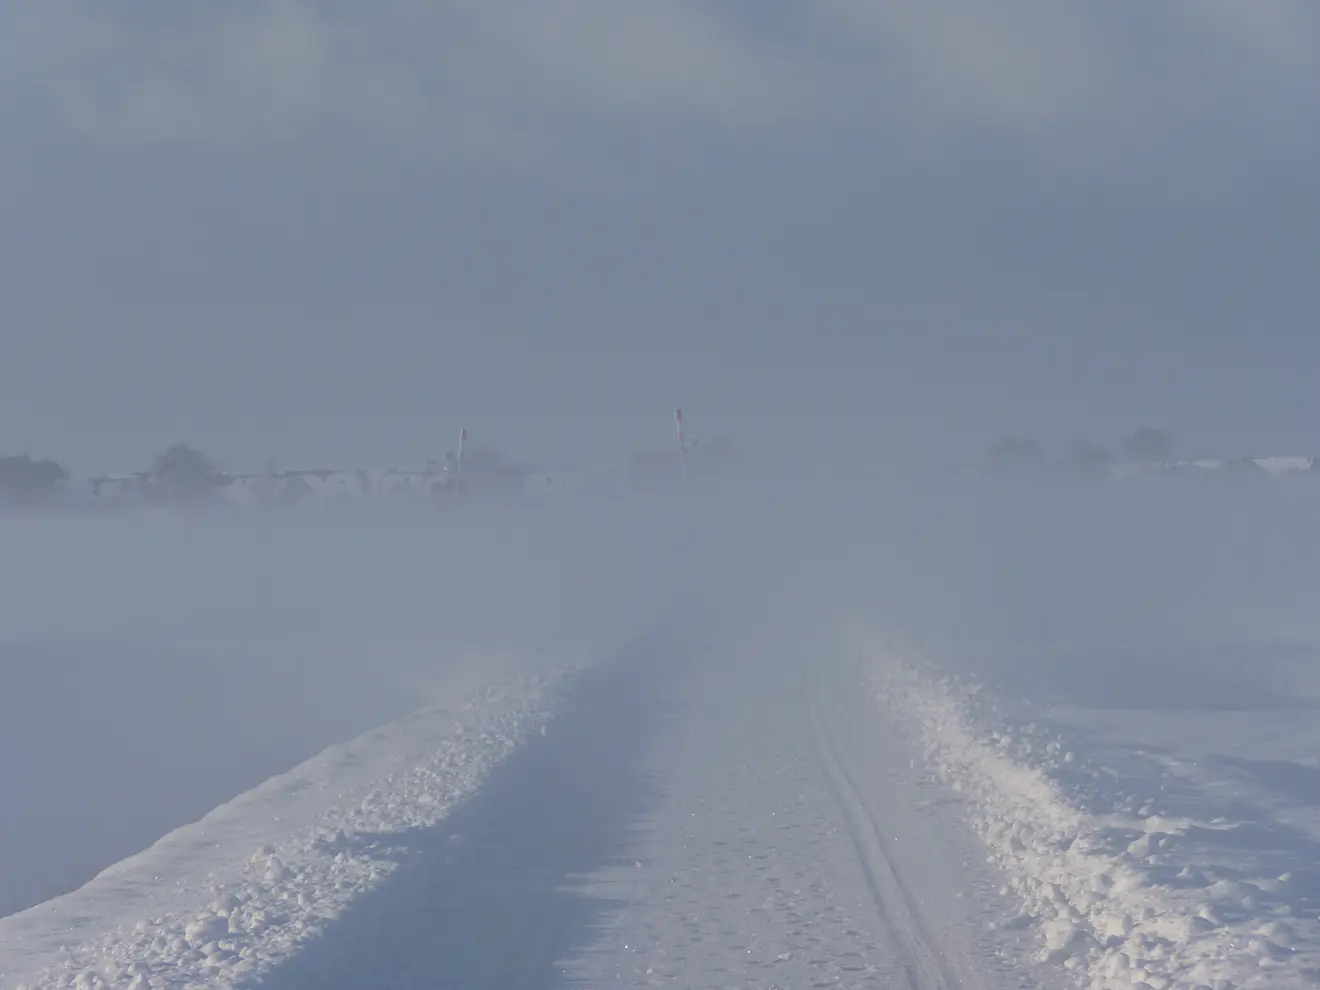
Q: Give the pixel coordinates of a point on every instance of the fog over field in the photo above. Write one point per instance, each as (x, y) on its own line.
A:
(369, 617)
(158, 664)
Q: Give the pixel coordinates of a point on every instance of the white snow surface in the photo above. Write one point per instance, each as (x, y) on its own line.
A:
(225, 899)
(1127, 875)
(717, 809)
(1088, 762)
(792, 843)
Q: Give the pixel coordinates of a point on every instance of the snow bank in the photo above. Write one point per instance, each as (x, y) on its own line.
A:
(224, 900)
(106, 746)
(1118, 891)
(154, 666)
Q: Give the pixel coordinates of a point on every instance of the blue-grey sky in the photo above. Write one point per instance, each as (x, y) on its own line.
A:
(335, 232)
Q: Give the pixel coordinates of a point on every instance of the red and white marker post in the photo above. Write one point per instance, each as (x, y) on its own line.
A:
(682, 446)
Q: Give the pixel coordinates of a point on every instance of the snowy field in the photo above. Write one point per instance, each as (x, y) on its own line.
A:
(1140, 748)
(958, 736)
(1148, 840)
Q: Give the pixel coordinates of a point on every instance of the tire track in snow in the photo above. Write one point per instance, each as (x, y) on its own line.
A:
(742, 876)
(766, 865)
(901, 910)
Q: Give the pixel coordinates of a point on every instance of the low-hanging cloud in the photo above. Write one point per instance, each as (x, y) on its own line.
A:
(513, 78)
(1025, 64)
(219, 75)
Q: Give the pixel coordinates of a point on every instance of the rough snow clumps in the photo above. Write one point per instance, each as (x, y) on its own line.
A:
(249, 915)
(1115, 898)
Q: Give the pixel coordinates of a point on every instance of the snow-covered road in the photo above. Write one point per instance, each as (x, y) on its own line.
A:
(792, 845)
(704, 814)
(741, 803)
(704, 808)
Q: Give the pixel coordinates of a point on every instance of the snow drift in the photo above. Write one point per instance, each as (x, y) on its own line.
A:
(1126, 880)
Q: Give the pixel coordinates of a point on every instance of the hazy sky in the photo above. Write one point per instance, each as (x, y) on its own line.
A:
(335, 232)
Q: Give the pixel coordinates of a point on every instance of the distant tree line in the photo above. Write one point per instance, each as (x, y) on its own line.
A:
(184, 476)
(26, 481)
(180, 475)
(1017, 456)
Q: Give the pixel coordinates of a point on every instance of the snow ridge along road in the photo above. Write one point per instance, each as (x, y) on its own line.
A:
(486, 898)
(1124, 876)
(227, 899)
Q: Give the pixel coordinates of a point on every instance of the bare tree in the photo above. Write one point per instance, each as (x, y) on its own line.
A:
(26, 481)
(183, 474)
(1012, 455)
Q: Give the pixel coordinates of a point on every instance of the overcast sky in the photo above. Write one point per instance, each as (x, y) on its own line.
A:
(334, 233)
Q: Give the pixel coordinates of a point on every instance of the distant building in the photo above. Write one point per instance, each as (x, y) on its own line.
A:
(121, 488)
(718, 458)
(1280, 467)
